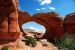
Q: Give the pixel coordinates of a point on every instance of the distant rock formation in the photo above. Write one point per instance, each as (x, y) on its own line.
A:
(9, 28)
(69, 23)
(32, 32)
(29, 31)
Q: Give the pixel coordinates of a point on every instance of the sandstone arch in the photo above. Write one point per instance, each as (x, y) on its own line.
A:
(23, 18)
(53, 24)
(69, 23)
(50, 21)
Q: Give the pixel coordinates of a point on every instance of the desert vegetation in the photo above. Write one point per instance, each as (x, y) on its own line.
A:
(4, 48)
(29, 40)
(66, 43)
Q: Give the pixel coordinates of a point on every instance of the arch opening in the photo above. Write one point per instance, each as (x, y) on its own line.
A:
(32, 28)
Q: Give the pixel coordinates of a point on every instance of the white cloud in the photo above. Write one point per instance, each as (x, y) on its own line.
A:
(33, 29)
(43, 8)
(36, 30)
(52, 8)
(37, 9)
(43, 2)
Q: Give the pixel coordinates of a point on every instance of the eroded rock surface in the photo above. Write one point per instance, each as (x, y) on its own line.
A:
(50, 20)
(9, 28)
(69, 23)
(52, 23)
(23, 18)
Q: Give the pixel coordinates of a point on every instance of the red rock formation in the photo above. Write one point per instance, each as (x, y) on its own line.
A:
(69, 23)
(52, 23)
(9, 29)
(23, 18)
(50, 20)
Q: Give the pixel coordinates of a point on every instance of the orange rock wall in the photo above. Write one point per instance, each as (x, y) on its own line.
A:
(9, 28)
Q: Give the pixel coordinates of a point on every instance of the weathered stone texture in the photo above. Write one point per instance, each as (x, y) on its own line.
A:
(23, 18)
(52, 23)
(9, 28)
(50, 20)
(69, 23)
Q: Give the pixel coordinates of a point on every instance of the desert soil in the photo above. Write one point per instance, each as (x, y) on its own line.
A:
(22, 46)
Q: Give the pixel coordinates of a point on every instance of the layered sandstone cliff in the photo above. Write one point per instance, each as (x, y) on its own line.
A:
(9, 28)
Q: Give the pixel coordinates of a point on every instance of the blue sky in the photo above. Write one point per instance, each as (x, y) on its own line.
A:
(34, 26)
(63, 7)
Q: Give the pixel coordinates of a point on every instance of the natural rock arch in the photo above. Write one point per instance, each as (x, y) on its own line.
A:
(50, 21)
(24, 17)
(38, 28)
(53, 24)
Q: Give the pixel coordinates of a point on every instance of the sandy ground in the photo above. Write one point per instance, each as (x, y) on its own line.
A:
(19, 45)
(13, 46)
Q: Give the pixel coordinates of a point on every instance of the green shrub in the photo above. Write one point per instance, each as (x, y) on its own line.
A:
(4, 48)
(66, 43)
(29, 40)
